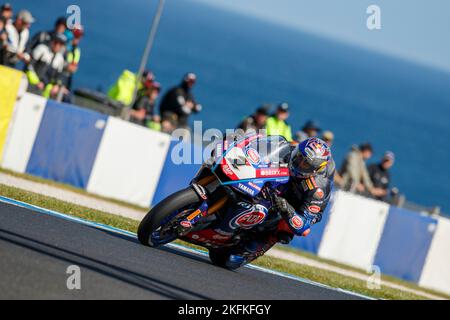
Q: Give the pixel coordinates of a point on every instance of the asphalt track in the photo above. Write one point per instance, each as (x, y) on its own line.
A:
(36, 249)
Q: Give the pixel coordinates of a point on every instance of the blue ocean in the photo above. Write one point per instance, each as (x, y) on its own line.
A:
(242, 62)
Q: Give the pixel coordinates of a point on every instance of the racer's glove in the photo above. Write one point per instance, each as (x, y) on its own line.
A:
(282, 206)
(299, 224)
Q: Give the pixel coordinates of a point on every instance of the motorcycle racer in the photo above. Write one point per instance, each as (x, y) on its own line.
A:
(301, 202)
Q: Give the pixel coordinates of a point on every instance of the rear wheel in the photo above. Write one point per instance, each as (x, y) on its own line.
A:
(157, 227)
(219, 257)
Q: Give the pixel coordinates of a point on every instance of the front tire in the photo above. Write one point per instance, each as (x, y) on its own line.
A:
(153, 220)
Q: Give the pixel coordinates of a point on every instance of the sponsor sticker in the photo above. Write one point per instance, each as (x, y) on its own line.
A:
(194, 214)
(319, 194)
(249, 218)
(254, 186)
(186, 224)
(313, 181)
(253, 156)
(227, 170)
(200, 191)
(314, 209)
(221, 237)
(304, 185)
(296, 222)
(271, 172)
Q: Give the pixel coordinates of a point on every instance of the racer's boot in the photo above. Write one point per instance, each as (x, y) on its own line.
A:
(250, 251)
(236, 261)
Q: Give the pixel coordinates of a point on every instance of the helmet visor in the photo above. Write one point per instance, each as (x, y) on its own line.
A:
(301, 167)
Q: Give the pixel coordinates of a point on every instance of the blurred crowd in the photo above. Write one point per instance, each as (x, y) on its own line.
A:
(175, 107)
(51, 58)
(355, 175)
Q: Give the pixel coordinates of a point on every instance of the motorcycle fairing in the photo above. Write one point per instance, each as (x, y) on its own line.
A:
(246, 168)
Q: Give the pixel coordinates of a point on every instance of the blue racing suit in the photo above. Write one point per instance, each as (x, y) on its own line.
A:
(301, 203)
(306, 199)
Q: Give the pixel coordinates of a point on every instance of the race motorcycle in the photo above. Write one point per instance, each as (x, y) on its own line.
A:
(247, 170)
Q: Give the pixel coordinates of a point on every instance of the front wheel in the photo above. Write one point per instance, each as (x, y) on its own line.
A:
(156, 228)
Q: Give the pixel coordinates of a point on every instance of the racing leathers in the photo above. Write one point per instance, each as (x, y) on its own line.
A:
(300, 202)
(303, 201)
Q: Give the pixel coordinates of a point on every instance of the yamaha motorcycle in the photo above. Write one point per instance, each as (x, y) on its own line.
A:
(247, 170)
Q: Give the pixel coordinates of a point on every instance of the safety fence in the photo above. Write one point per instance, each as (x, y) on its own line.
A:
(116, 159)
(68, 144)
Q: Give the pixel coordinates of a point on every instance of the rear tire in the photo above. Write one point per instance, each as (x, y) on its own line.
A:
(219, 257)
(152, 221)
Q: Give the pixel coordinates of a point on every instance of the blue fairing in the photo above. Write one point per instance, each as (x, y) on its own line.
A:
(261, 153)
(252, 187)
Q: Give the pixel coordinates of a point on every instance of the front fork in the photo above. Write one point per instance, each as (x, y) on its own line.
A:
(188, 223)
(204, 209)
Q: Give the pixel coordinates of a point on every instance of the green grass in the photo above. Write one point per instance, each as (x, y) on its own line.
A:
(319, 275)
(333, 279)
(384, 277)
(69, 208)
(71, 188)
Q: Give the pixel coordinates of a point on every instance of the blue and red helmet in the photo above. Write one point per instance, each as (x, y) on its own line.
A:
(309, 158)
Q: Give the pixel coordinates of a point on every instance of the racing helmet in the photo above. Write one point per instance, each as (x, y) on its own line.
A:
(309, 158)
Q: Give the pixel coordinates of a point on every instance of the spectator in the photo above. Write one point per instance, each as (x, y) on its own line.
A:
(179, 100)
(277, 125)
(123, 89)
(328, 137)
(6, 12)
(45, 37)
(72, 54)
(169, 122)
(3, 40)
(355, 177)
(44, 72)
(379, 174)
(143, 110)
(256, 121)
(310, 129)
(18, 34)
